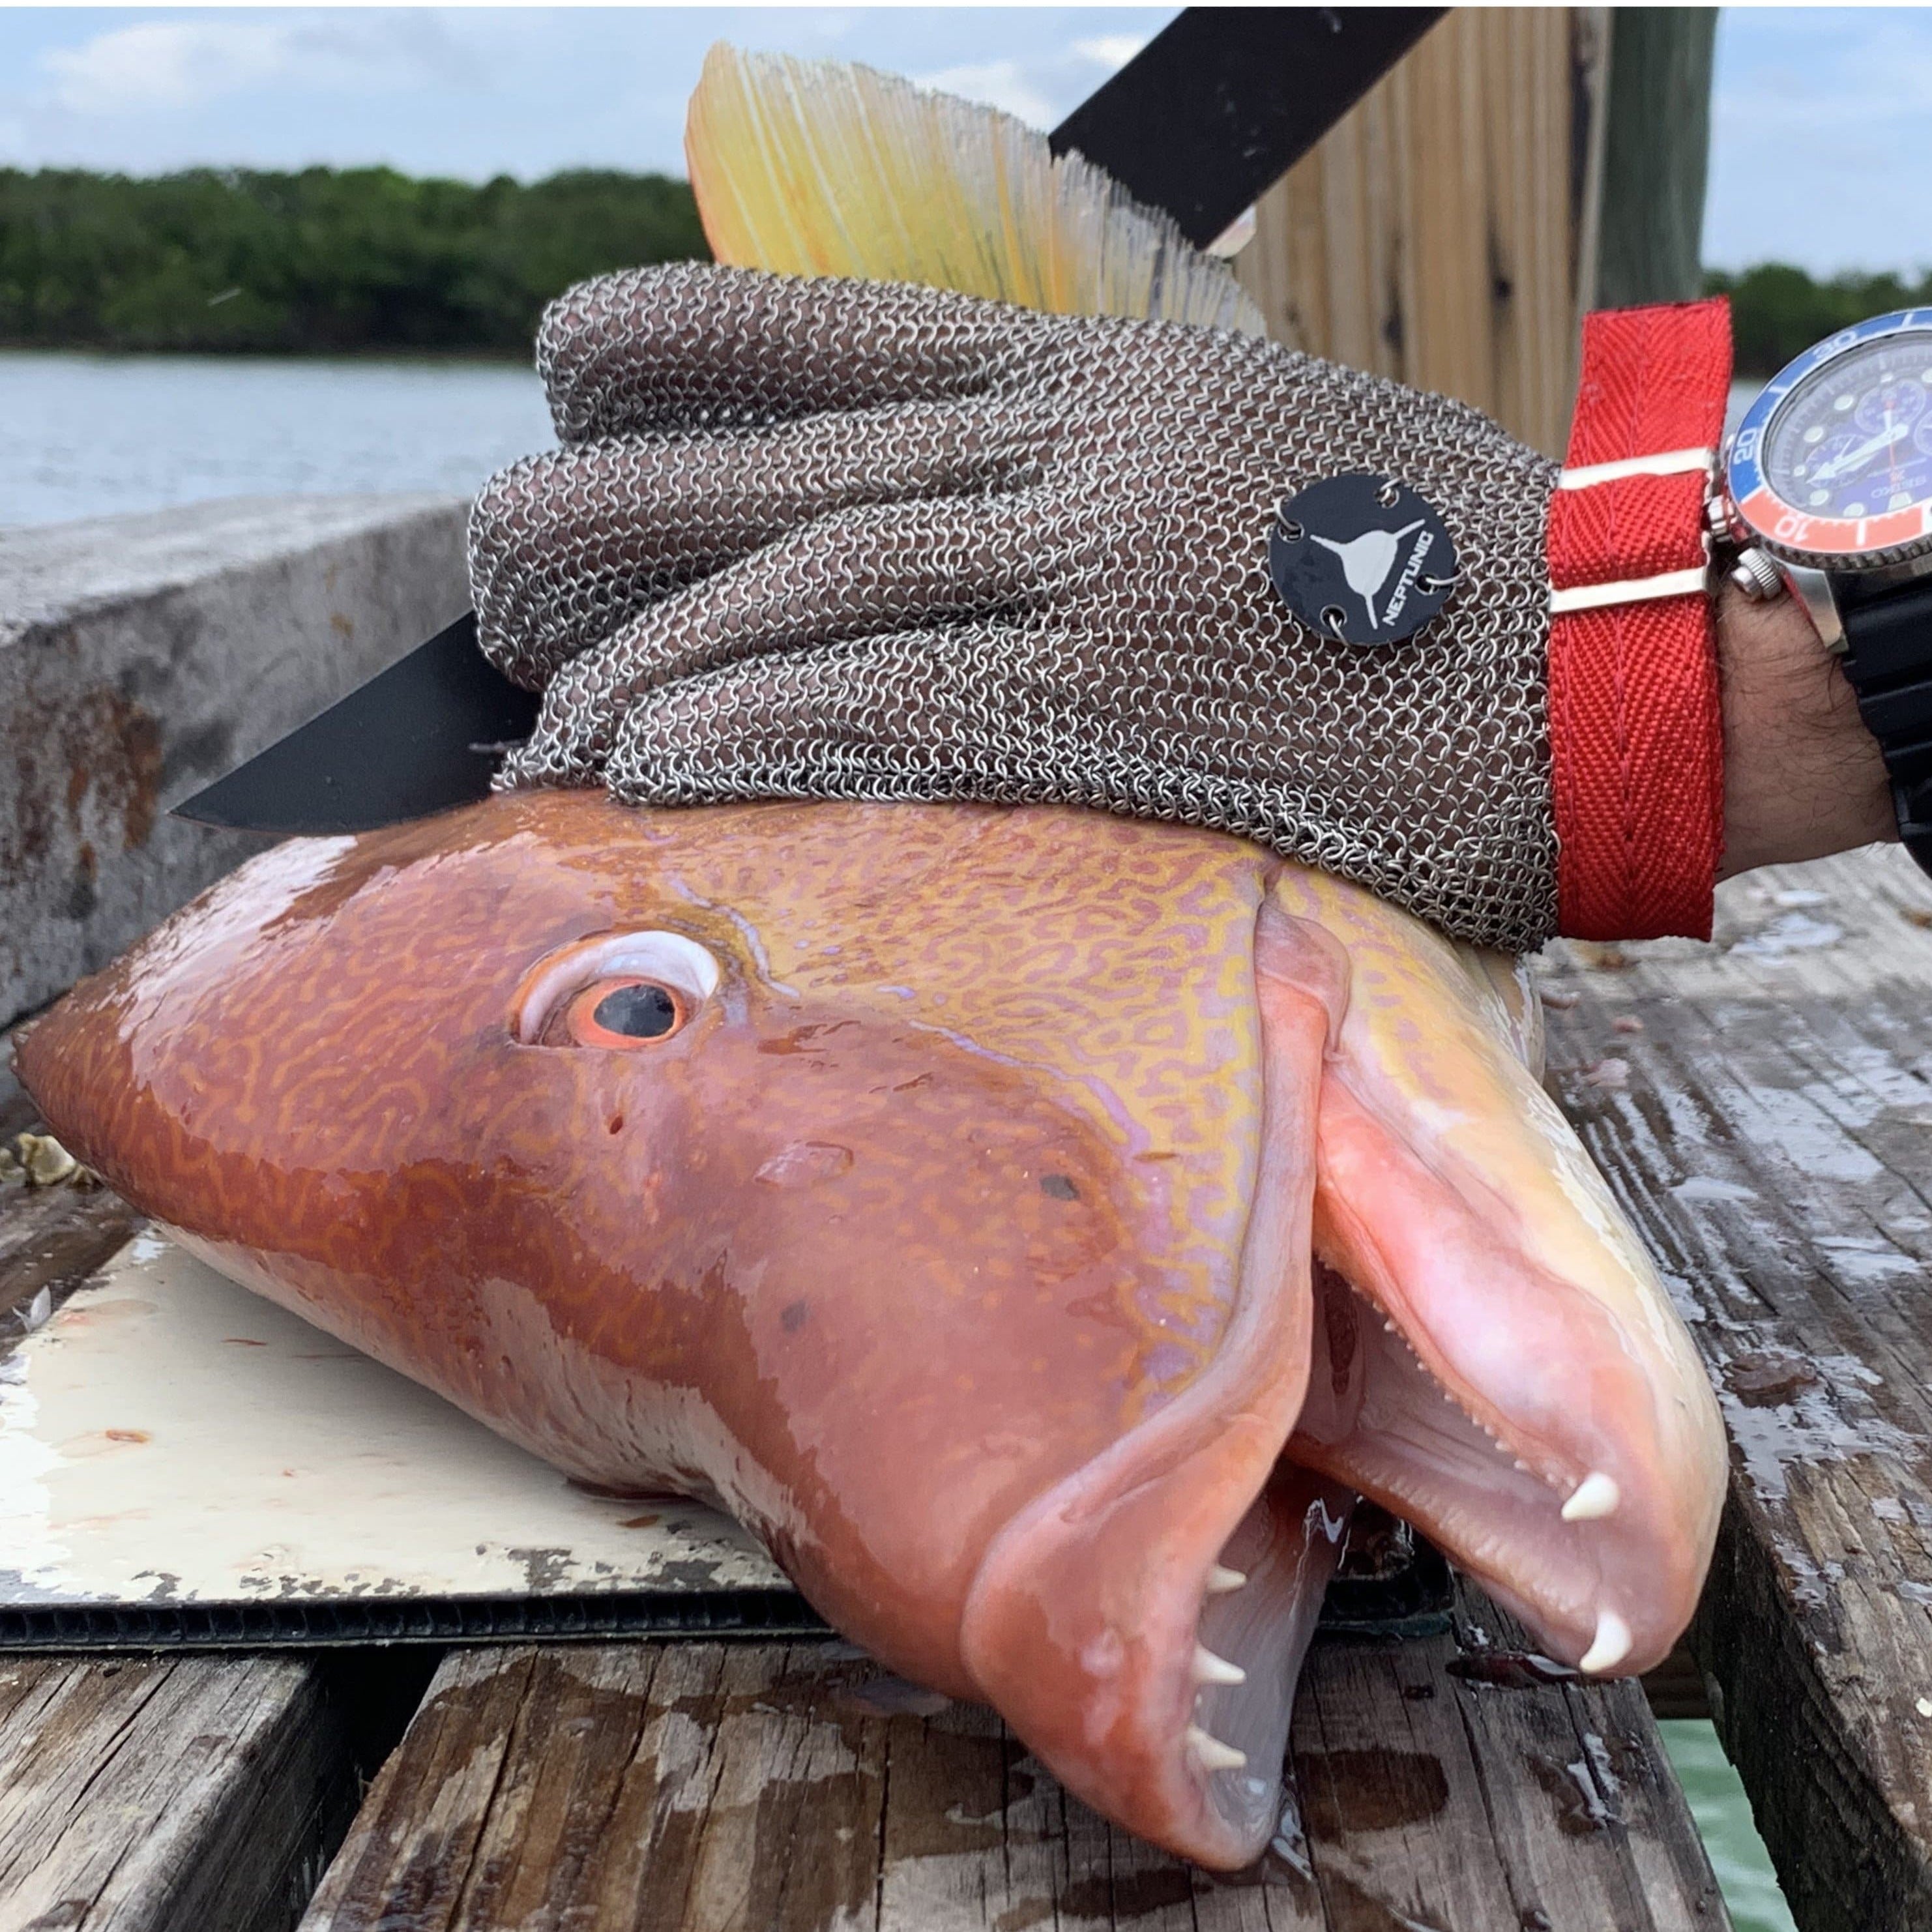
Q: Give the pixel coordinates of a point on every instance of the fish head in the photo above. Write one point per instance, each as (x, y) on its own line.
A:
(940, 1189)
(929, 1186)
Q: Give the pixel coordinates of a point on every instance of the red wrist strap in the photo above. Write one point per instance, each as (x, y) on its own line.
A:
(1636, 734)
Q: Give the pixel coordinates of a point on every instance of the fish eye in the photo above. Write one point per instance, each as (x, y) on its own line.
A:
(621, 1013)
(615, 989)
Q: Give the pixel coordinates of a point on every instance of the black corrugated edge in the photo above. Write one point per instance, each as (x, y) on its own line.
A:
(1414, 1604)
(271, 1625)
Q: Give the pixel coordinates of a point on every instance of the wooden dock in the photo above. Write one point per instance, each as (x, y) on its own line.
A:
(1764, 1108)
(1769, 1129)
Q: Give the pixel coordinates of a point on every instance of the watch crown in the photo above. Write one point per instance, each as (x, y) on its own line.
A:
(1717, 515)
(1756, 576)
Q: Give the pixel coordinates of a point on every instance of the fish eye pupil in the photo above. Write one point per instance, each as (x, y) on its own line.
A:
(637, 1012)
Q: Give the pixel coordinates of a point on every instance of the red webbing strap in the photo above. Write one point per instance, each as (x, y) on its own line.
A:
(1636, 735)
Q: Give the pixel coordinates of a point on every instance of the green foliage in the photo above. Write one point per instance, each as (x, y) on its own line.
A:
(1777, 312)
(325, 260)
(338, 260)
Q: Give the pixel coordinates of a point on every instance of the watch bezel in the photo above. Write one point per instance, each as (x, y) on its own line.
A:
(1837, 544)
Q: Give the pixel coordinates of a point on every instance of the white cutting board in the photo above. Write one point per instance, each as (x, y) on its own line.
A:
(169, 1439)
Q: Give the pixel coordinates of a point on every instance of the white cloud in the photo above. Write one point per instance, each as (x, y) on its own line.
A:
(176, 64)
(1003, 84)
(475, 90)
(166, 63)
(1111, 51)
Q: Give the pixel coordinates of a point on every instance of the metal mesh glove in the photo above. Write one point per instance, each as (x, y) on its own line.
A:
(822, 539)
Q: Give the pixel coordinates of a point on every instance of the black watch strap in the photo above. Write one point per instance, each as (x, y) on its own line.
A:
(1888, 662)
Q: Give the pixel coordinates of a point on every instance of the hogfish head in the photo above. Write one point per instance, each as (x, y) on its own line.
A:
(935, 1188)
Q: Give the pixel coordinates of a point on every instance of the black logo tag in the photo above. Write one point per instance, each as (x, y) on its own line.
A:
(1361, 559)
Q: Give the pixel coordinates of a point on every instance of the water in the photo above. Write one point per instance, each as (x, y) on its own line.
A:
(91, 436)
(1722, 1812)
(1744, 393)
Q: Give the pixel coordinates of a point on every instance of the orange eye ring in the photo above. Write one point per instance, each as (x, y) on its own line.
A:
(626, 1012)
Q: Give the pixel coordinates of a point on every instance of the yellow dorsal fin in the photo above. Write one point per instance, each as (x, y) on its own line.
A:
(823, 168)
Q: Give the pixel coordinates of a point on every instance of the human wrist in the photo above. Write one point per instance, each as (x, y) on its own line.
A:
(1803, 778)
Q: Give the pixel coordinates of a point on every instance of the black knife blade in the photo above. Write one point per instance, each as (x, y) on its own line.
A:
(419, 737)
(1224, 101)
(1210, 112)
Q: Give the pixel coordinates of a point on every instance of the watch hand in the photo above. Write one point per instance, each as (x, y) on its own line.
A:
(1852, 458)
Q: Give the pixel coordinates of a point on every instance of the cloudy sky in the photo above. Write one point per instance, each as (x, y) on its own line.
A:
(1819, 150)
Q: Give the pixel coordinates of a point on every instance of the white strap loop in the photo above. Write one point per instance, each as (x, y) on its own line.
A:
(1633, 590)
(1666, 462)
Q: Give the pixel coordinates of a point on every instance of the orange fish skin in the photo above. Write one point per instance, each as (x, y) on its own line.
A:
(920, 1212)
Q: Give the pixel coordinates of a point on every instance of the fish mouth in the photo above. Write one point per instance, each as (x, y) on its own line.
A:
(1141, 1624)
(1550, 1442)
(1575, 1534)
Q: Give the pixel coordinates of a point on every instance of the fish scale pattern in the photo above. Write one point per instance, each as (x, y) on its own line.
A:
(819, 538)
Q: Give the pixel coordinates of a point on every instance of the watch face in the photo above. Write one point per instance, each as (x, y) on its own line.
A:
(1855, 437)
(1833, 461)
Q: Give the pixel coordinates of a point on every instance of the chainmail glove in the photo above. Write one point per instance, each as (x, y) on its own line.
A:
(813, 538)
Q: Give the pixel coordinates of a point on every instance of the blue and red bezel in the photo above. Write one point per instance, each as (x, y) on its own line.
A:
(1760, 515)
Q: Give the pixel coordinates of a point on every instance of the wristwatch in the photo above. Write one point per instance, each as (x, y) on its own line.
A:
(1828, 493)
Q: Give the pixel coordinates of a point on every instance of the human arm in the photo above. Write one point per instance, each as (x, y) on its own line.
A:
(1803, 777)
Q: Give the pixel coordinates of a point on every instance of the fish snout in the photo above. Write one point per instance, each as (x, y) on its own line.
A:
(1141, 1625)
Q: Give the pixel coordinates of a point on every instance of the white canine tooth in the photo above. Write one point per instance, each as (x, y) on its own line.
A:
(1611, 1645)
(1596, 1495)
(1209, 1669)
(1213, 1754)
(1221, 1581)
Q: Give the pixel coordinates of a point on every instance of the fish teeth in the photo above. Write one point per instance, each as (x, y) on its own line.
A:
(1597, 1495)
(1611, 1646)
(1210, 1753)
(1209, 1669)
(1221, 1580)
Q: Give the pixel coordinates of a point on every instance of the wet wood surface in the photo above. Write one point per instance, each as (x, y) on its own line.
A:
(1764, 1109)
(709, 1788)
(198, 1795)
(51, 1239)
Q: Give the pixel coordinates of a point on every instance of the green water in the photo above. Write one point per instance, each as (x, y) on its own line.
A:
(1722, 1812)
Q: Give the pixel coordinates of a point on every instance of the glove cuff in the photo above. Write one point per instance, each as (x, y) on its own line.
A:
(1637, 733)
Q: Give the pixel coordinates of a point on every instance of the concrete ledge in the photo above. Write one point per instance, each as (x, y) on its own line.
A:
(142, 657)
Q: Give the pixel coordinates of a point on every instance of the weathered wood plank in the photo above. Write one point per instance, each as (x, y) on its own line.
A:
(699, 1787)
(1764, 1109)
(152, 1796)
(1443, 232)
(51, 1239)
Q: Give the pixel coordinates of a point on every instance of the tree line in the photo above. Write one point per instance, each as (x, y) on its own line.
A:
(1778, 312)
(338, 260)
(325, 260)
